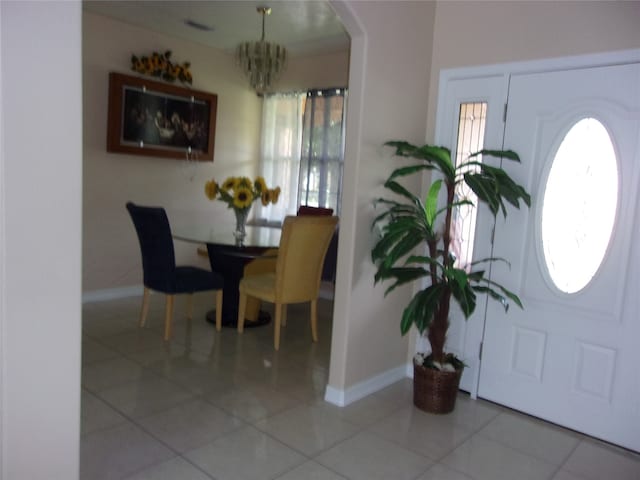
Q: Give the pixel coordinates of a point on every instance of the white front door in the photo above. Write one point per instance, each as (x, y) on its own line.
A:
(572, 355)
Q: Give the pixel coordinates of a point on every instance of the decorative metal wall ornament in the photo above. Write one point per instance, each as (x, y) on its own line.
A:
(160, 65)
(262, 62)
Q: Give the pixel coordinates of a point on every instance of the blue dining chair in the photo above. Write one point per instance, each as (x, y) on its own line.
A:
(159, 266)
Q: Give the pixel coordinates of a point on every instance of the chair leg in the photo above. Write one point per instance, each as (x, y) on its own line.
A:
(242, 306)
(168, 317)
(314, 320)
(190, 307)
(283, 322)
(276, 326)
(145, 307)
(219, 310)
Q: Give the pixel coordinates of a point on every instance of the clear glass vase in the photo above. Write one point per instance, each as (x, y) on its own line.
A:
(242, 214)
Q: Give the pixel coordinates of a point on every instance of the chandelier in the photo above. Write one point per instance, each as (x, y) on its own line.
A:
(262, 62)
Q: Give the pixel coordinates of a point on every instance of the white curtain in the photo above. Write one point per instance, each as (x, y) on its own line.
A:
(280, 152)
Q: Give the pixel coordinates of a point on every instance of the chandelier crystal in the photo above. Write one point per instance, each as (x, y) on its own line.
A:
(262, 62)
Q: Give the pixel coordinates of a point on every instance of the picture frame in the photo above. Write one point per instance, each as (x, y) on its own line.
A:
(160, 120)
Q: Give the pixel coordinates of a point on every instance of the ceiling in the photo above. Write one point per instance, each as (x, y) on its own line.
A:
(304, 27)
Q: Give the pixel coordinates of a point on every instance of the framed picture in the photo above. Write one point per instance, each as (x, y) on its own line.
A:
(160, 120)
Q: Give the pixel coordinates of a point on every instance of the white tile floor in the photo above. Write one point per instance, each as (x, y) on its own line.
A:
(227, 407)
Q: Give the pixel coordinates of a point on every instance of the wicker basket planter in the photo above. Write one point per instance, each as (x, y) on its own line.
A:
(435, 391)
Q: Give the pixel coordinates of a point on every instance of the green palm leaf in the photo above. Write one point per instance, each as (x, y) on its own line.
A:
(405, 226)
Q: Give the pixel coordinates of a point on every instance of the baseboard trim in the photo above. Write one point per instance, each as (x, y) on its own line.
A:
(342, 398)
(409, 367)
(112, 294)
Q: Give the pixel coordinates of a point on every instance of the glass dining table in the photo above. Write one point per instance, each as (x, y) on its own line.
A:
(228, 256)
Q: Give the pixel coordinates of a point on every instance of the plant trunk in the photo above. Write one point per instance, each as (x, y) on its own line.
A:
(440, 324)
(438, 330)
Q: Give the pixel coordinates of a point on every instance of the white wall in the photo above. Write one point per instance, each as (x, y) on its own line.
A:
(315, 71)
(469, 33)
(41, 189)
(389, 82)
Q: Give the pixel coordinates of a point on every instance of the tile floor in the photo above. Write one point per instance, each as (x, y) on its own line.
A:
(227, 407)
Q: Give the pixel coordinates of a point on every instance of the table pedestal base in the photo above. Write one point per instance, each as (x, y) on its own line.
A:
(230, 264)
(264, 318)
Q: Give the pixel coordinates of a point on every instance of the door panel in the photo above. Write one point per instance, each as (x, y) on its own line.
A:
(568, 358)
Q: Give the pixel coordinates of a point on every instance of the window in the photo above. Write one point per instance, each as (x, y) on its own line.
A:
(579, 205)
(471, 125)
(321, 162)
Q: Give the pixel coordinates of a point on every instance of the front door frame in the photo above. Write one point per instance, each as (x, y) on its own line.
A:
(446, 125)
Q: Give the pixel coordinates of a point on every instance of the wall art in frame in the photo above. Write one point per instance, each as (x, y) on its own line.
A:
(160, 120)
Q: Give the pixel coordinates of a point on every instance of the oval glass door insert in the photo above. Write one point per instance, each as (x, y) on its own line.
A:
(579, 205)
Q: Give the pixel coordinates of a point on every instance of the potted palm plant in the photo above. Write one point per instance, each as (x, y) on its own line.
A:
(415, 243)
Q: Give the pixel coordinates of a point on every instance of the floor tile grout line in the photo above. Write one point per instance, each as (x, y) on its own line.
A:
(130, 382)
(156, 373)
(128, 356)
(432, 459)
(192, 398)
(298, 402)
(360, 429)
(529, 454)
(110, 427)
(177, 453)
(483, 425)
(309, 460)
(582, 440)
(424, 472)
(142, 469)
(311, 457)
(472, 477)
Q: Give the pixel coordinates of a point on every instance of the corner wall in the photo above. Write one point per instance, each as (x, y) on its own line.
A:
(389, 82)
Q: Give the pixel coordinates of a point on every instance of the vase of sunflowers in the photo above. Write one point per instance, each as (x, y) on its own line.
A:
(239, 193)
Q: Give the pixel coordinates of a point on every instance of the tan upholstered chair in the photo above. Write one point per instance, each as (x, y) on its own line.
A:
(267, 263)
(303, 246)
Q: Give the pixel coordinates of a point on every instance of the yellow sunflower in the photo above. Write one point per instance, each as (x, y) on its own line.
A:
(239, 193)
(275, 194)
(229, 183)
(244, 182)
(265, 197)
(260, 184)
(211, 189)
(242, 197)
